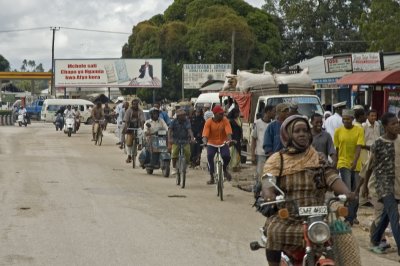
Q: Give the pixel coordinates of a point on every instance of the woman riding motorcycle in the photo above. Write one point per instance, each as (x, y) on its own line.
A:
(303, 175)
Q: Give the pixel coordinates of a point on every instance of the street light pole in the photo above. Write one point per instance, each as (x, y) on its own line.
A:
(52, 92)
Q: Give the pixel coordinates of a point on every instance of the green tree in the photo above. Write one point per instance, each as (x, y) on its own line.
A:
(4, 64)
(200, 31)
(311, 28)
(380, 25)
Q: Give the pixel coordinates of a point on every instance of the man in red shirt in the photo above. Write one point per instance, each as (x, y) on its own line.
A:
(217, 131)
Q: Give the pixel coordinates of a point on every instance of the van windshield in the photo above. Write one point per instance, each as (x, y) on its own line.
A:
(53, 108)
(307, 105)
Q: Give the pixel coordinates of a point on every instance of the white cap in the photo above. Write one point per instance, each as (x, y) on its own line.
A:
(120, 98)
(341, 104)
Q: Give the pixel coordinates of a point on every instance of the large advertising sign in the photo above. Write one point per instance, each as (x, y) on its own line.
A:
(338, 64)
(366, 62)
(195, 75)
(136, 73)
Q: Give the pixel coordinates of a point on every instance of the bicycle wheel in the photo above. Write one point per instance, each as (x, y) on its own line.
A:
(183, 171)
(100, 137)
(133, 155)
(178, 174)
(220, 181)
(96, 138)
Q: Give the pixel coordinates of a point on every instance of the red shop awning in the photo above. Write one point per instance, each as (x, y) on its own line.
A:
(371, 78)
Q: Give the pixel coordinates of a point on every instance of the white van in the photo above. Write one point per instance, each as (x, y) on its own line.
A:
(51, 106)
(211, 98)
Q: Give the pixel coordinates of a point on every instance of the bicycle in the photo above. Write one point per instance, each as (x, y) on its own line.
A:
(135, 142)
(181, 166)
(219, 173)
(98, 129)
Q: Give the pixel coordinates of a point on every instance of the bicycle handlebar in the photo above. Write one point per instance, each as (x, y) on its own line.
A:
(219, 146)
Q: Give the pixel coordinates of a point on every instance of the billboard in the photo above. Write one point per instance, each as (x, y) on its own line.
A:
(135, 73)
(195, 75)
(338, 64)
(366, 62)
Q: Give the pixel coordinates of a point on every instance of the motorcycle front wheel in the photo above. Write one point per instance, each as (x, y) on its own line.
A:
(69, 132)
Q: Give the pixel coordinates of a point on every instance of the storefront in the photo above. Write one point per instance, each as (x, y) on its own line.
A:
(378, 89)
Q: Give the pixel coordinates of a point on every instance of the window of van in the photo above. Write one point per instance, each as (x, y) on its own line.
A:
(53, 108)
(81, 108)
(307, 105)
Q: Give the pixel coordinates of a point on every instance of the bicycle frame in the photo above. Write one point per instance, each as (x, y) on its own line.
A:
(218, 165)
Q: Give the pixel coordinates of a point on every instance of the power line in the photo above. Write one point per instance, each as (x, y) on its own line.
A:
(67, 28)
(30, 29)
(102, 31)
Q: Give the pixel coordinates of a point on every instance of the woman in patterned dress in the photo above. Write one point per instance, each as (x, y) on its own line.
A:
(304, 176)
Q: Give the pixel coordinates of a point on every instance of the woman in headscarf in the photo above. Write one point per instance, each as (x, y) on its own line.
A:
(303, 174)
(237, 135)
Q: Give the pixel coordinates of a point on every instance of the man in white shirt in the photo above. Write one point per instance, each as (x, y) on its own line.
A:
(257, 151)
(155, 123)
(335, 121)
(69, 113)
(372, 128)
(207, 112)
(120, 112)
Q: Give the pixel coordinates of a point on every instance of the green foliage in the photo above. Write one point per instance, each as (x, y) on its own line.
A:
(200, 31)
(380, 26)
(310, 28)
(4, 64)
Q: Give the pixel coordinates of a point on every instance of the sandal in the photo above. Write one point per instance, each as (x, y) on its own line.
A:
(129, 159)
(211, 182)
(377, 250)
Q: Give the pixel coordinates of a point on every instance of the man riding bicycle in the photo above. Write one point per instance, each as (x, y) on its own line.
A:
(97, 114)
(134, 118)
(217, 131)
(180, 132)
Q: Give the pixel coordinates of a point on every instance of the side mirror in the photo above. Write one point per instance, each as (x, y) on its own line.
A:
(270, 181)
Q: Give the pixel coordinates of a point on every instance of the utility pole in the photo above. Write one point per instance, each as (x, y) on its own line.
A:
(233, 53)
(52, 91)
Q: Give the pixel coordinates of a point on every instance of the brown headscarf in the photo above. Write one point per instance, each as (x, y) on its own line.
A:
(296, 158)
(291, 146)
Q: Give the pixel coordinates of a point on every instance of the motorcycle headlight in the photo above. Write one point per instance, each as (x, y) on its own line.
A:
(318, 232)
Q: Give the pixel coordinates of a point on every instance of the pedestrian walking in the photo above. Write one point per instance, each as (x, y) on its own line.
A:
(197, 123)
(348, 140)
(335, 121)
(272, 140)
(385, 167)
(322, 141)
(258, 156)
(237, 135)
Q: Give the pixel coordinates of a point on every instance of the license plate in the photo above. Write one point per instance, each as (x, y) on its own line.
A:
(162, 142)
(313, 210)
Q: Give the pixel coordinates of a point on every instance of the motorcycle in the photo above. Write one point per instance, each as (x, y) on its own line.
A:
(77, 123)
(22, 120)
(319, 247)
(155, 155)
(59, 122)
(69, 126)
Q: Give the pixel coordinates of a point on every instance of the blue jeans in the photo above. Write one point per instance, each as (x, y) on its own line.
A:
(226, 157)
(390, 215)
(351, 179)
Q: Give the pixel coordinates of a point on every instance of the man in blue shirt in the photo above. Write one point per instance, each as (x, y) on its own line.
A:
(272, 140)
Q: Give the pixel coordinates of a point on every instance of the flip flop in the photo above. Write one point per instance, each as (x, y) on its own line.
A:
(377, 250)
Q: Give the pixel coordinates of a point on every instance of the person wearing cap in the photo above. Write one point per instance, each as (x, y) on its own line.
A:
(134, 118)
(155, 123)
(180, 132)
(348, 140)
(294, 109)
(207, 112)
(217, 131)
(120, 112)
(335, 121)
(272, 140)
(163, 115)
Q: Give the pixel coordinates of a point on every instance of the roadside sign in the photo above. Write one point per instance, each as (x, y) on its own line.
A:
(363, 62)
(338, 64)
(195, 75)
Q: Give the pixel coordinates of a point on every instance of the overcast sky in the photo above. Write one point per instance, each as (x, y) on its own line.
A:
(106, 15)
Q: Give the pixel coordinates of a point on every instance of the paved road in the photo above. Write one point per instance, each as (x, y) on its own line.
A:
(66, 201)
